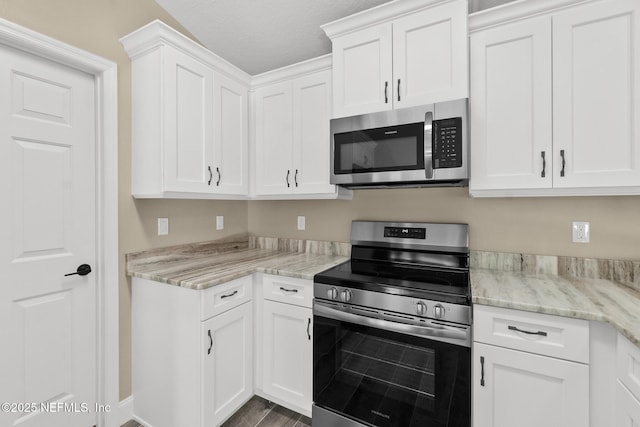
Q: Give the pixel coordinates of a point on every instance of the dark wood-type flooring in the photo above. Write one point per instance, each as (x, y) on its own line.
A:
(258, 412)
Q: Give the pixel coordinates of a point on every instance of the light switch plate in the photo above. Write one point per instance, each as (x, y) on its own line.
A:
(163, 226)
(301, 222)
(219, 222)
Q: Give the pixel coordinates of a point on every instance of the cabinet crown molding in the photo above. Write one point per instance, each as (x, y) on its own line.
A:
(157, 34)
(288, 72)
(517, 10)
(377, 15)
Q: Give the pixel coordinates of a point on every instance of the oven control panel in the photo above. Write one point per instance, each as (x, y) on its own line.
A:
(399, 304)
(405, 232)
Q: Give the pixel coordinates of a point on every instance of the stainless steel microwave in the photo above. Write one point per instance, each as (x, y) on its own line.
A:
(418, 146)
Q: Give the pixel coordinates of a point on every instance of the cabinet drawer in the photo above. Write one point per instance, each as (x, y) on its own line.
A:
(288, 290)
(221, 298)
(628, 365)
(554, 336)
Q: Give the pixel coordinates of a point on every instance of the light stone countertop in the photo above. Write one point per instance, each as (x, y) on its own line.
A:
(582, 298)
(201, 266)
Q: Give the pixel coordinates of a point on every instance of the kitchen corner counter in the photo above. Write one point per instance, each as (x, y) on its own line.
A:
(582, 298)
(203, 265)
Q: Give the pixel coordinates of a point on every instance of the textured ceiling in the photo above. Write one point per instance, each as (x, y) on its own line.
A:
(262, 35)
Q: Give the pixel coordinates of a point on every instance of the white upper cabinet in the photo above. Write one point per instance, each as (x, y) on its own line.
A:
(231, 157)
(189, 118)
(510, 98)
(274, 138)
(362, 72)
(399, 55)
(596, 95)
(554, 100)
(188, 122)
(292, 142)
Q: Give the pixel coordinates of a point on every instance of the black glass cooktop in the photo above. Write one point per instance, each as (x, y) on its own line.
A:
(436, 276)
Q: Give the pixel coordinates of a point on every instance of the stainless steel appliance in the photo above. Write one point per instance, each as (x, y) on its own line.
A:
(418, 146)
(392, 331)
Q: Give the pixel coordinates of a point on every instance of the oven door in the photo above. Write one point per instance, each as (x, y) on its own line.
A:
(377, 376)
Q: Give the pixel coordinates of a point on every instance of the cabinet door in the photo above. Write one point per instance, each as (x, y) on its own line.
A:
(510, 106)
(188, 87)
(311, 114)
(362, 70)
(627, 408)
(430, 56)
(514, 388)
(287, 356)
(231, 137)
(274, 139)
(596, 90)
(227, 363)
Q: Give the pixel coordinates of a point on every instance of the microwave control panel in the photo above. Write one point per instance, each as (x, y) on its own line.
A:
(447, 143)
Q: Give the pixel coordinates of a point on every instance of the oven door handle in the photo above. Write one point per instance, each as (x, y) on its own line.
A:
(435, 331)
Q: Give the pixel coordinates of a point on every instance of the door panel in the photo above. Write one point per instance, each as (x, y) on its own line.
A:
(361, 70)
(47, 178)
(596, 90)
(231, 155)
(188, 124)
(430, 56)
(274, 139)
(510, 106)
(311, 114)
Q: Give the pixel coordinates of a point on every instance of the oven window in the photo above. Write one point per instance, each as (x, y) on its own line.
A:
(382, 149)
(383, 378)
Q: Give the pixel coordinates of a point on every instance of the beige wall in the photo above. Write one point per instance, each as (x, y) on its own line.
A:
(529, 225)
(96, 26)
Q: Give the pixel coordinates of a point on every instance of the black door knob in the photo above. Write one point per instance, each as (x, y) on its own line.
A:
(83, 270)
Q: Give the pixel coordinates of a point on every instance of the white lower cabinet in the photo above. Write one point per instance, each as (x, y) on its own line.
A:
(529, 369)
(627, 408)
(628, 383)
(226, 363)
(515, 388)
(192, 352)
(287, 358)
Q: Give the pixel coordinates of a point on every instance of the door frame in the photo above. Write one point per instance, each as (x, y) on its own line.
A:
(105, 73)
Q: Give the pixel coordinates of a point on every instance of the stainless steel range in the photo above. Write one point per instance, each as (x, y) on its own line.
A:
(392, 330)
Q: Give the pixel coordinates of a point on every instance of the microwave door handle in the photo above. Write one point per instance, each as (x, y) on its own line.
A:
(428, 145)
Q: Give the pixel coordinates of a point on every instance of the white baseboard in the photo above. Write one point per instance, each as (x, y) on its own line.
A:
(125, 410)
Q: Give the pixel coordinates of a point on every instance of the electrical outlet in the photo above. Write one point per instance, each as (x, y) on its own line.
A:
(163, 226)
(219, 222)
(301, 222)
(580, 232)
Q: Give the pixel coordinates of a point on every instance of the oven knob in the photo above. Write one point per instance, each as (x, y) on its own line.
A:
(345, 296)
(438, 311)
(421, 308)
(332, 293)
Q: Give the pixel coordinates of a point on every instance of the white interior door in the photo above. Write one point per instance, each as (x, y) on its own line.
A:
(47, 229)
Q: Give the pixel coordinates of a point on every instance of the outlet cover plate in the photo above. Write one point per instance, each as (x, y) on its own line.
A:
(219, 222)
(301, 222)
(580, 232)
(163, 226)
